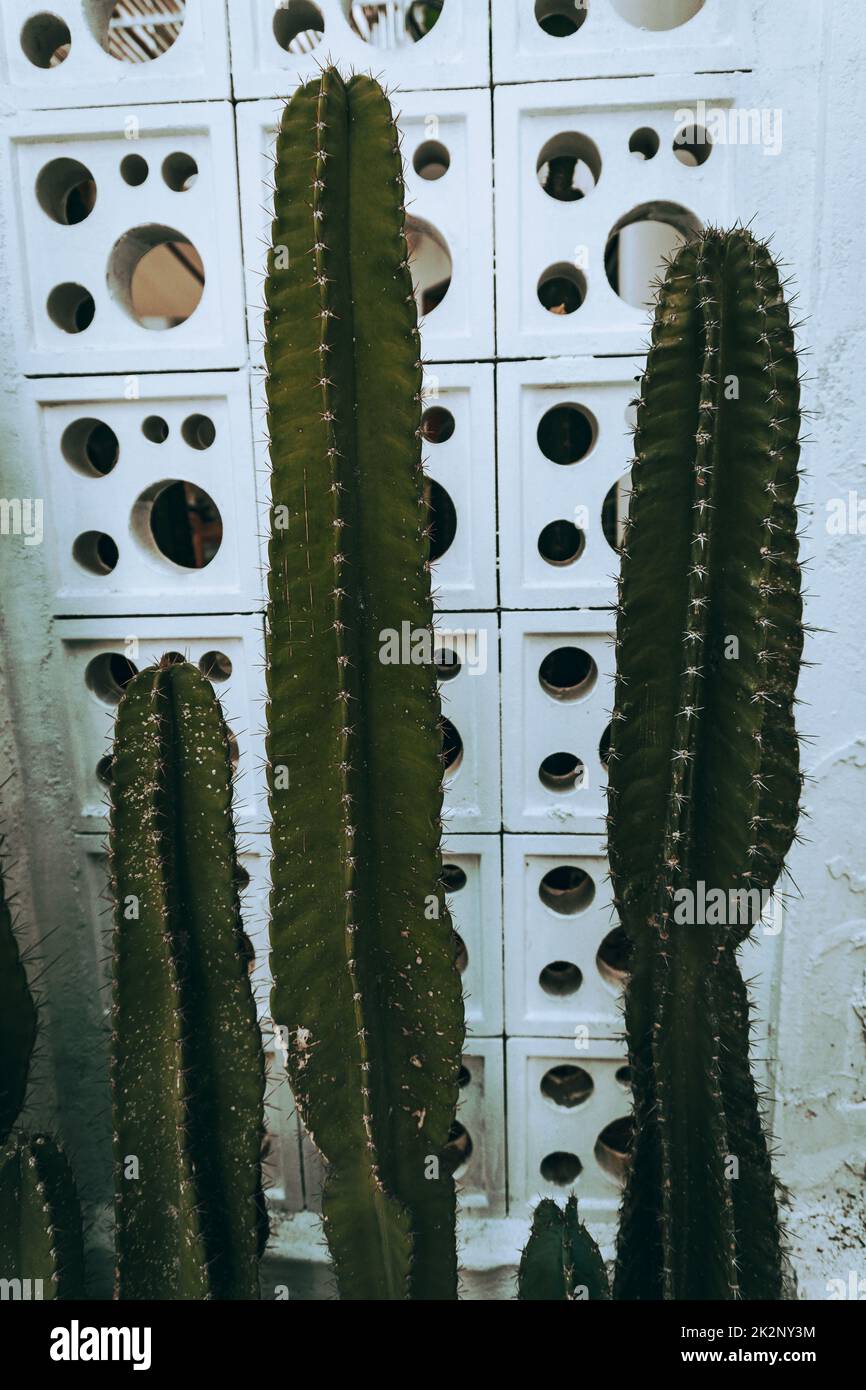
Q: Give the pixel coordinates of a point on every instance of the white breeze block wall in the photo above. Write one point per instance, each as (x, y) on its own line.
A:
(103, 158)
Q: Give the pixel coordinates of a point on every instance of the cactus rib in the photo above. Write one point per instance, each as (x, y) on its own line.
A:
(187, 1061)
(364, 981)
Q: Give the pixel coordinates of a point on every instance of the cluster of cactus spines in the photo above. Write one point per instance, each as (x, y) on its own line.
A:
(41, 1242)
(364, 978)
(17, 1019)
(561, 1260)
(704, 767)
(187, 1059)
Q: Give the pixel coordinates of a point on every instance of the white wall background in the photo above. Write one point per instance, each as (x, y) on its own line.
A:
(498, 361)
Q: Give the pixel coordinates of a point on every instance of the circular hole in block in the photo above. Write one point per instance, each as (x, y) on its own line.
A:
(561, 772)
(461, 954)
(157, 275)
(298, 26)
(216, 666)
(645, 143)
(155, 429)
(560, 979)
(105, 770)
(386, 25)
(134, 170)
(604, 747)
(448, 663)
(639, 246)
(562, 288)
(431, 160)
(46, 40)
(561, 543)
(66, 191)
(452, 747)
(568, 673)
(561, 18)
(569, 166)
(430, 262)
(560, 1168)
(90, 447)
(613, 1148)
(437, 425)
(180, 171)
(567, 433)
(180, 522)
(135, 31)
(442, 519)
(693, 146)
(71, 307)
(566, 890)
(108, 675)
(623, 1077)
(464, 1077)
(198, 431)
(613, 956)
(567, 1086)
(458, 1150)
(657, 14)
(614, 512)
(453, 878)
(96, 552)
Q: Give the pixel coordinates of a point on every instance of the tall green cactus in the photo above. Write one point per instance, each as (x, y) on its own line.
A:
(561, 1261)
(187, 1060)
(362, 962)
(41, 1243)
(704, 769)
(17, 1020)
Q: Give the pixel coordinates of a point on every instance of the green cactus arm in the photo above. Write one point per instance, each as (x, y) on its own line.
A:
(17, 1021)
(40, 1218)
(561, 1260)
(187, 1064)
(705, 778)
(363, 978)
(705, 770)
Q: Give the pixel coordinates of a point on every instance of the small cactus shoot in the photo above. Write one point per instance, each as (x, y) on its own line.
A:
(187, 1058)
(41, 1243)
(561, 1261)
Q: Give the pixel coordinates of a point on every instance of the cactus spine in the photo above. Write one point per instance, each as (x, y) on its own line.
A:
(187, 1061)
(41, 1242)
(364, 978)
(17, 1020)
(704, 770)
(561, 1260)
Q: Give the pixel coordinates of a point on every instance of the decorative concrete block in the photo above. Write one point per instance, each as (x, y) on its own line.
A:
(279, 43)
(123, 461)
(126, 240)
(557, 693)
